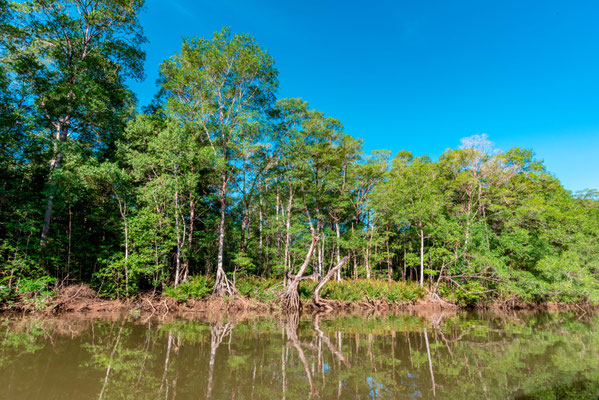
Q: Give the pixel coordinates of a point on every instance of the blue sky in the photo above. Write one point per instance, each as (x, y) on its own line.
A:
(420, 75)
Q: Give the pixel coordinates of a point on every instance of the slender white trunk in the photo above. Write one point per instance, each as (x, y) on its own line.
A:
(277, 225)
(283, 363)
(367, 256)
(389, 267)
(338, 277)
(287, 261)
(260, 226)
(164, 382)
(116, 345)
(222, 286)
(181, 232)
(421, 257)
(123, 211)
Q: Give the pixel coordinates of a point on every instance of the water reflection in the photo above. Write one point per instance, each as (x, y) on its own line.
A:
(462, 356)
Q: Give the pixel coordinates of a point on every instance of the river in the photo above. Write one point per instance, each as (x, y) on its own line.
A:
(463, 355)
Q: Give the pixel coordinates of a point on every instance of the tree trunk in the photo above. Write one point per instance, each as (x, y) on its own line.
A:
(261, 217)
(185, 270)
(287, 261)
(319, 253)
(316, 293)
(123, 212)
(368, 243)
(277, 224)
(404, 272)
(291, 326)
(421, 257)
(55, 163)
(430, 362)
(389, 267)
(222, 286)
(166, 363)
(179, 240)
(181, 232)
(327, 341)
(70, 237)
(218, 332)
(338, 276)
(290, 299)
(244, 225)
(110, 360)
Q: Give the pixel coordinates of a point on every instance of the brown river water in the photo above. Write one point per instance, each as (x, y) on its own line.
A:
(462, 355)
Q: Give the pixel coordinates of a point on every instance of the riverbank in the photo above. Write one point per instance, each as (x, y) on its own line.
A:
(81, 298)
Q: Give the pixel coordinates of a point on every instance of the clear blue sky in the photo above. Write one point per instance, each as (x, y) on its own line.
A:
(420, 75)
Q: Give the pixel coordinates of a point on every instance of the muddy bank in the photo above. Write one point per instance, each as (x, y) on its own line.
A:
(83, 299)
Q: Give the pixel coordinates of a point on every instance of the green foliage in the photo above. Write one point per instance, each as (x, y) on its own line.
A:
(363, 289)
(467, 295)
(196, 287)
(258, 288)
(6, 292)
(246, 263)
(36, 293)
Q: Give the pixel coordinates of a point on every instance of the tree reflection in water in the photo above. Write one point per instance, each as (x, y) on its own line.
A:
(460, 356)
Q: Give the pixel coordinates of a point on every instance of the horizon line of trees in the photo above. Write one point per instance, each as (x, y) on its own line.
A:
(219, 177)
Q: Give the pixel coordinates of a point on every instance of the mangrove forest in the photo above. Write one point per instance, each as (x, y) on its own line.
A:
(221, 188)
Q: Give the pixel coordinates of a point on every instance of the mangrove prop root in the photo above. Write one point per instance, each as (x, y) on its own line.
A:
(290, 299)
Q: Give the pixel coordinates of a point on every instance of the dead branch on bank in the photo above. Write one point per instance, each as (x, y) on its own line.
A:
(290, 299)
(316, 293)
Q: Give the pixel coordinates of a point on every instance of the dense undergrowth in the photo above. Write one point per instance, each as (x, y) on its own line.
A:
(267, 290)
(40, 294)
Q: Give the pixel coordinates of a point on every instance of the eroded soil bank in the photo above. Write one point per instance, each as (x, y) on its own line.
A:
(82, 299)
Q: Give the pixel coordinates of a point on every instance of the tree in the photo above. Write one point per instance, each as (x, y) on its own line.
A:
(170, 168)
(311, 155)
(410, 196)
(223, 89)
(72, 57)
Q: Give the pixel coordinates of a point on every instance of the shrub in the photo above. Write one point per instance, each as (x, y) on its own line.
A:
(6, 293)
(356, 290)
(258, 288)
(196, 287)
(36, 292)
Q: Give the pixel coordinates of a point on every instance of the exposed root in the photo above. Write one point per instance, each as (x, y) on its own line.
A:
(290, 300)
(223, 287)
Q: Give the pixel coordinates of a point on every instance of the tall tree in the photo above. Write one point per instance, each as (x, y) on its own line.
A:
(73, 57)
(223, 88)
